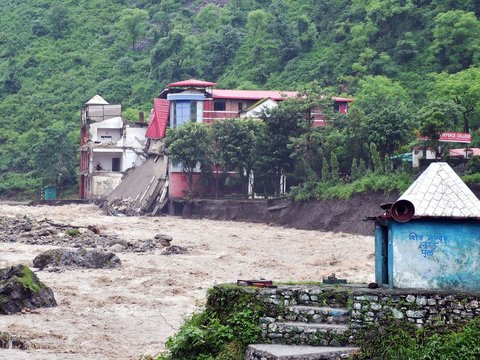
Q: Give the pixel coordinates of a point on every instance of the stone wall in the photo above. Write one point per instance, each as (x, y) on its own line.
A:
(433, 308)
(359, 307)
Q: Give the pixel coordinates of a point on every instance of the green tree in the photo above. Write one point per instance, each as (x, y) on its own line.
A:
(235, 150)
(382, 110)
(438, 117)
(273, 149)
(325, 170)
(362, 168)
(389, 128)
(463, 88)
(134, 23)
(456, 41)
(354, 169)
(376, 160)
(335, 168)
(55, 155)
(188, 146)
(59, 20)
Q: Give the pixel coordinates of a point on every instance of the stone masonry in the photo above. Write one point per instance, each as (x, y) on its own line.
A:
(329, 316)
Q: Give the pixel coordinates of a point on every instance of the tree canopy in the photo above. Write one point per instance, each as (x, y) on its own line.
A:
(394, 58)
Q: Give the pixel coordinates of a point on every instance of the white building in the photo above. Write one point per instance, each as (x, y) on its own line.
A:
(109, 147)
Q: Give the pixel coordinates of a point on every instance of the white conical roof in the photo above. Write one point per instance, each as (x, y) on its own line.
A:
(440, 192)
(96, 100)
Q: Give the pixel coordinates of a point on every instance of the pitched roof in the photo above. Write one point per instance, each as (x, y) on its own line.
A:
(192, 83)
(439, 192)
(96, 100)
(159, 119)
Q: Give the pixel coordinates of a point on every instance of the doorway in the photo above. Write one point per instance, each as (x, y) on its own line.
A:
(381, 255)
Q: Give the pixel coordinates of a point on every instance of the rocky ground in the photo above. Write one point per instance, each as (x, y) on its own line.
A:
(127, 311)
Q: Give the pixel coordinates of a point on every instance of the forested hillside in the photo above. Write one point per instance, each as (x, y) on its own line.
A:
(411, 64)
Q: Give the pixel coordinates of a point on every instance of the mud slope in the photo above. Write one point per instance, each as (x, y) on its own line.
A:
(328, 215)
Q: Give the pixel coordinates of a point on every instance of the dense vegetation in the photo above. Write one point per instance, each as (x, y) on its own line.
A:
(403, 61)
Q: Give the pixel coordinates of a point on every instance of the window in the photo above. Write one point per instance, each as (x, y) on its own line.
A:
(193, 111)
(240, 106)
(219, 105)
(183, 111)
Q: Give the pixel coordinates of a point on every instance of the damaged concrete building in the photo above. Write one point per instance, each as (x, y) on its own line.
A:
(109, 146)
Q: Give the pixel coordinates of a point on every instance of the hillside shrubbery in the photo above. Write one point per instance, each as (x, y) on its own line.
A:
(405, 63)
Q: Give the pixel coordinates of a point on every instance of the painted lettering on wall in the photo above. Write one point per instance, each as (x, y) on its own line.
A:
(428, 246)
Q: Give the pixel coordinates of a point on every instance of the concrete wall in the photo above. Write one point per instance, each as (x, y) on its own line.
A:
(103, 184)
(134, 137)
(178, 187)
(434, 254)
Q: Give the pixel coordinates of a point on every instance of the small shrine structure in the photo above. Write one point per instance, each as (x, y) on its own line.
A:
(430, 237)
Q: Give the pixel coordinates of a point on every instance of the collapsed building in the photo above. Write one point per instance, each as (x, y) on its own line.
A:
(151, 183)
(109, 146)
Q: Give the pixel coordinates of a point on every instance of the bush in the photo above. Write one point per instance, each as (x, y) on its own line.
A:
(221, 331)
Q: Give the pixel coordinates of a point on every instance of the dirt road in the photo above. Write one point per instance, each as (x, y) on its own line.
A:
(126, 312)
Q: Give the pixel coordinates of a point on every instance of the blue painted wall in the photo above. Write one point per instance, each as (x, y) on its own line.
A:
(433, 254)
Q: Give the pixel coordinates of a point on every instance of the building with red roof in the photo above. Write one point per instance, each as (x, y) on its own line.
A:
(199, 101)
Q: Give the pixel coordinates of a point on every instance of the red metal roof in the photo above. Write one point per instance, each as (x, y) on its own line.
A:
(261, 94)
(192, 83)
(340, 99)
(252, 94)
(158, 126)
(461, 152)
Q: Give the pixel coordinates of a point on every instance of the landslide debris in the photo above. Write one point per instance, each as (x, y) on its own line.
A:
(21, 289)
(28, 230)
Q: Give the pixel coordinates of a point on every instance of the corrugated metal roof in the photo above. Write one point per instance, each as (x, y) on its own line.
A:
(96, 100)
(461, 152)
(341, 99)
(192, 83)
(158, 125)
(261, 94)
(252, 94)
(439, 192)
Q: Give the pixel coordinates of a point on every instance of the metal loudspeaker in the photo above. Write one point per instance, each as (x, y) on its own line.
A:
(403, 210)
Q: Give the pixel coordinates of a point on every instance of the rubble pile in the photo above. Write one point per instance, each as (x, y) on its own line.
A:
(123, 207)
(30, 231)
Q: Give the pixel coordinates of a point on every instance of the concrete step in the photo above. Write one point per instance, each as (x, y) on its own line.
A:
(313, 314)
(291, 352)
(301, 333)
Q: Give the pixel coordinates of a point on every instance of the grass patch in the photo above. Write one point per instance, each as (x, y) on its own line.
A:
(72, 232)
(29, 281)
(324, 190)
